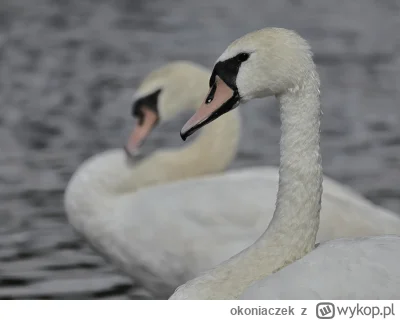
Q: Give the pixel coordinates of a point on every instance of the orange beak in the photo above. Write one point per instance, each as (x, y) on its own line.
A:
(141, 131)
(220, 99)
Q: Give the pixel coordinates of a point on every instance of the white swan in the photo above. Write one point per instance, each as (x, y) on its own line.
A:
(279, 62)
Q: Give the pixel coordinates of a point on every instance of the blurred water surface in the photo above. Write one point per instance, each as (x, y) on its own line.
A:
(69, 68)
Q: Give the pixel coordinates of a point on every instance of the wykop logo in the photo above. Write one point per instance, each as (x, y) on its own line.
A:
(325, 310)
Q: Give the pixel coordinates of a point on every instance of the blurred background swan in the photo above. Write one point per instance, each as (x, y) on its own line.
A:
(68, 69)
(101, 198)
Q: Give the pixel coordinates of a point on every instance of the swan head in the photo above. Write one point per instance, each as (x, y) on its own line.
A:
(263, 63)
(162, 95)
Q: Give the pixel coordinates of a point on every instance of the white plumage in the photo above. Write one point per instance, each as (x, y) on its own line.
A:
(163, 233)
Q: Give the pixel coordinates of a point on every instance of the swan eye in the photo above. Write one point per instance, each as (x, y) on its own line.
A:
(243, 56)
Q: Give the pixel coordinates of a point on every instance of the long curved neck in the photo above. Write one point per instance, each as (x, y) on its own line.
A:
(293, 228)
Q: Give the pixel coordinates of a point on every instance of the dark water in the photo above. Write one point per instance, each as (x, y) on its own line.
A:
(67, 72)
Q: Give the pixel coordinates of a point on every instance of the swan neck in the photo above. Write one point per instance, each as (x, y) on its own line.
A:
(296, 216)
(292, 231)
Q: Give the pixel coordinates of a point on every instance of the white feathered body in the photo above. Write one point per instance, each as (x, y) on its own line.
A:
(165, 235)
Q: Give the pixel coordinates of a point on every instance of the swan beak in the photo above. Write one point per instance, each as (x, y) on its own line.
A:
(141, 131)
(220, 99)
